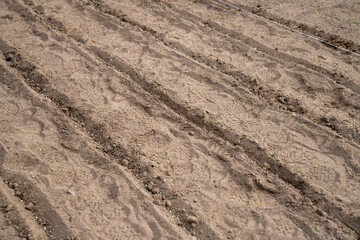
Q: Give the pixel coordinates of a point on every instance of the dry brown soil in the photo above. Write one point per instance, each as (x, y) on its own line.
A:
(140, 119)
(335, 21)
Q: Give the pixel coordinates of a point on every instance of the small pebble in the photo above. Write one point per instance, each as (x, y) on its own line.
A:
(192, 219)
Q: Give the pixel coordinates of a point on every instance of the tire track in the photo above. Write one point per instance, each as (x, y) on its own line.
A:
(251, 147)
(16, 225)
(325, 36)
(335, 77)
(256, 88)
(44, 212)
(250, 83)
(114, 149)
(27, 192)
(40, 84)
(55, 228)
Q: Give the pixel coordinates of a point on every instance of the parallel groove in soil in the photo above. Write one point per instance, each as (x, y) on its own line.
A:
(250, 147)
(247, 82)
(219, 67)
(115, 152)
(335, 77)
(29, 72)
(40, 84)
(349, 45)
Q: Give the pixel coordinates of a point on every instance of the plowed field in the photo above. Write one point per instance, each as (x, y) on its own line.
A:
(141, 119)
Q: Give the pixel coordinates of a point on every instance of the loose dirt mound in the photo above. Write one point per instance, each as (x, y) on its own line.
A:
(173, 120)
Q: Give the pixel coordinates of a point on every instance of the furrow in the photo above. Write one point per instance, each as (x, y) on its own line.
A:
(269, 94)
(323, 35)
(251, 148)
(126, 157)
(335, 77)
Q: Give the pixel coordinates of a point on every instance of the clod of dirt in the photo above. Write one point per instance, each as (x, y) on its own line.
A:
(192, 219)
(155, 190)
(9, 208)
(25, 66)
(266, 165)
(168, 203)
(125, 163)
(29, 2)
(150, 186)
(39, 9)
(321, 213)
(159, 178)
(30, 206)
(266, 185)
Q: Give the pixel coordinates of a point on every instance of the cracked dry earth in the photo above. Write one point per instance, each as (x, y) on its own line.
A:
(140, 119)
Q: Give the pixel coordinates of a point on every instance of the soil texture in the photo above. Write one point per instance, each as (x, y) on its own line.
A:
(140, 119)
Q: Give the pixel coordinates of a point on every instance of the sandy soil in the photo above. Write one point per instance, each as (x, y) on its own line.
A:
(335, 21)
(175, 119)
